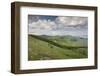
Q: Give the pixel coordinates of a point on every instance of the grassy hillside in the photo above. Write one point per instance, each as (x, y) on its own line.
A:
(67, 40)
(54, 47)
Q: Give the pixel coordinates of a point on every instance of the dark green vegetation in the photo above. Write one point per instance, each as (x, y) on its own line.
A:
(56, 47)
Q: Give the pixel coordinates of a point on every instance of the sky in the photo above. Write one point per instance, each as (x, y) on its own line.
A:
(58, 25)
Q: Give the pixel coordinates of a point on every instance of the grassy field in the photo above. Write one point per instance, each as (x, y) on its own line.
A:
(56, 47)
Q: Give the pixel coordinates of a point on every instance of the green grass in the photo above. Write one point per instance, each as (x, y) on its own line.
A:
(45, 48)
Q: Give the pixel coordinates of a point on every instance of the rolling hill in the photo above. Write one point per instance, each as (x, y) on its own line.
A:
(45, 47)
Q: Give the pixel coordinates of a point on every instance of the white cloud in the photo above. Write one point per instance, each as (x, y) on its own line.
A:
(59, 26)
(41, 25)
(71, 21)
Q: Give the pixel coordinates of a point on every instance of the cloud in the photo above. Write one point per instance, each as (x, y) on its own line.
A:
(59, 26)
(71, 21)
(32, 19)
(42, 24)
